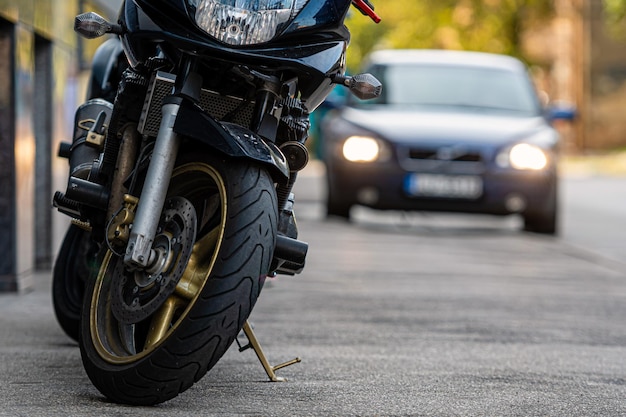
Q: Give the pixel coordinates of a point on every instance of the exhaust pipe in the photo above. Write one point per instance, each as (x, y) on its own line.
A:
(289, 255)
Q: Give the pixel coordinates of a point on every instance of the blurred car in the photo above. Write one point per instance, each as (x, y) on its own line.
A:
(452, 131)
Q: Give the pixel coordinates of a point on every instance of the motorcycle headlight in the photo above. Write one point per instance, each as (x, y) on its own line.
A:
(245, 22)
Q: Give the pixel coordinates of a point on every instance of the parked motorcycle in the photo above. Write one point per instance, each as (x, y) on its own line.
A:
(182, 166)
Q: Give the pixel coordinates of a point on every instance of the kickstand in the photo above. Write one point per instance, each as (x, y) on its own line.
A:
(254, 344)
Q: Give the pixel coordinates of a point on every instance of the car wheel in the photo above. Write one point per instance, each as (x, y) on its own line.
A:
(544, 221)
(337, 207)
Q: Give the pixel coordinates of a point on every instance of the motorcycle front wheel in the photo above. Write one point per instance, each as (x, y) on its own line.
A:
(140, 353)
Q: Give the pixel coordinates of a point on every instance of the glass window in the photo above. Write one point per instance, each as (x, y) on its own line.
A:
(472, 88)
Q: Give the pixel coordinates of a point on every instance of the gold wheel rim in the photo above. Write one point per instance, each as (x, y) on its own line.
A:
(173, 311)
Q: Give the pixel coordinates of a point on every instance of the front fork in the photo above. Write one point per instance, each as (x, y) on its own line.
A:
(139, 252)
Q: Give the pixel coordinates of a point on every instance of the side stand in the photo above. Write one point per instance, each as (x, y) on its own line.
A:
(254, 344)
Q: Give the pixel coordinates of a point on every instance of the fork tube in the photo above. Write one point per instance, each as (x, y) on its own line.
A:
(138, 251)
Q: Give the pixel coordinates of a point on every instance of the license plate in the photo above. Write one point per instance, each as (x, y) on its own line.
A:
(444, 186)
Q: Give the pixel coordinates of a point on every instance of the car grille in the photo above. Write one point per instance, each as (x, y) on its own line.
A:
(449, 159)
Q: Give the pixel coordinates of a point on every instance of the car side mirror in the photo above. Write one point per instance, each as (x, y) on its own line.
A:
(561, 111)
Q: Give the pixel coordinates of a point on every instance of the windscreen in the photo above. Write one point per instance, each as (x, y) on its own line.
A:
(469, 87)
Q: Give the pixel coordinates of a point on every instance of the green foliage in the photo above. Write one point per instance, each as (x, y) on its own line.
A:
(615, 15)
(482, 25)
(615, 9)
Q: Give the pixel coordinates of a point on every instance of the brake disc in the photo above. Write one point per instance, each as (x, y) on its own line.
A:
(138, 294)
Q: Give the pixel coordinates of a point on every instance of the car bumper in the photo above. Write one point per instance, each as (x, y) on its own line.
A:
(503, 191)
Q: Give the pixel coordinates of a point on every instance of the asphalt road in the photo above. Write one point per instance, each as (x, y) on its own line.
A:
(395, 314)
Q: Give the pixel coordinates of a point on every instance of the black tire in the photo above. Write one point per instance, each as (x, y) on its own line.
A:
(544, 221)
(338, 209)
(229, 273)
(70, 272)
(336, 206)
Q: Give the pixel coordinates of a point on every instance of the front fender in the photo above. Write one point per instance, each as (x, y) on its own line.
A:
(230, 139)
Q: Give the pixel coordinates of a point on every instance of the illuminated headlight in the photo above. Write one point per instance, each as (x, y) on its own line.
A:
(244, 22)
(364, 149)
(524, 156)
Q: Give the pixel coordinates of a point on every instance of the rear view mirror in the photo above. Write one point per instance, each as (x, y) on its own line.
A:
(561, 111)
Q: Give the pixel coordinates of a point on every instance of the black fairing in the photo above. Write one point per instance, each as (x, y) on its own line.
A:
(312, 46)
(230, 139)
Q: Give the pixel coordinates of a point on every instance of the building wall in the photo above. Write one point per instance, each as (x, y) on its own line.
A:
(40, 87)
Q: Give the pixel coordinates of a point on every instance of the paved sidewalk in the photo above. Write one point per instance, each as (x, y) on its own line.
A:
(605, 163)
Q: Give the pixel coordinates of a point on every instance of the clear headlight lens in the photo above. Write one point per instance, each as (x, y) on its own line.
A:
(244, 22)
(362, 149)
(524, 156)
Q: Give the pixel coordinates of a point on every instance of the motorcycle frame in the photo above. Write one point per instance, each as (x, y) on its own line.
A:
(320, 55)
(304, 60)
(194, 124)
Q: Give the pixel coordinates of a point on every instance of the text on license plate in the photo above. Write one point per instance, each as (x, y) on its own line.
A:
(444, 186)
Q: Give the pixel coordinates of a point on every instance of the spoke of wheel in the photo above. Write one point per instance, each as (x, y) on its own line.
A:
(127, 337)
(187, 288)
(199, 265)
(162, 320)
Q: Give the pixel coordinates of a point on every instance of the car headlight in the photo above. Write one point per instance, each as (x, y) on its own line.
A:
(244, 22)
(524, 156)
(364, 149)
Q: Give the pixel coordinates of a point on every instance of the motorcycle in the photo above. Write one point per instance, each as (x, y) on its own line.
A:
(182, 166)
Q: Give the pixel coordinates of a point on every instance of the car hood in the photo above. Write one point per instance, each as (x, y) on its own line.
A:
(405, 126)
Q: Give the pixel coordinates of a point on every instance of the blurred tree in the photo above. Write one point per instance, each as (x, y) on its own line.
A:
(482, 25)
(615, 9)
(615, 14)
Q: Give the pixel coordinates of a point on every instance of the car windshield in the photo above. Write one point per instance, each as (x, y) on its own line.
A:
(456, 87)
